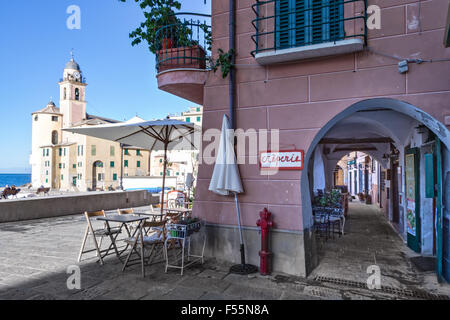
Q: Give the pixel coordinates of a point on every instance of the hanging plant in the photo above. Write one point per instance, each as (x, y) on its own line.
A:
(224, 61)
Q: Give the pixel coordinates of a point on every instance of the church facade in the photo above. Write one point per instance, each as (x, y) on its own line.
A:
(66, 161)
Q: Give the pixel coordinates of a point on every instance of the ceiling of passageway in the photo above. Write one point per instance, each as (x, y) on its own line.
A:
(368, 132)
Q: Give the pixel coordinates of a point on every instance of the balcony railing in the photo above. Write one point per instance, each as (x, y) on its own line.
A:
(185, 43)
(285, 24)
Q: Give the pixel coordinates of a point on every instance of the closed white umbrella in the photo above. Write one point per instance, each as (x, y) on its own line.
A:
(164, 135)
(226, 180)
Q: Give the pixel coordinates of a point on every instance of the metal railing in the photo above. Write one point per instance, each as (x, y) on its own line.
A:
(184, 43)
(284, 24)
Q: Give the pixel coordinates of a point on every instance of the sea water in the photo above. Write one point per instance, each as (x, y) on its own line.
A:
(18, 179)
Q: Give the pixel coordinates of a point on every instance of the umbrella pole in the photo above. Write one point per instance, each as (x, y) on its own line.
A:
(242, 268)
(240, 230)
(164, 178)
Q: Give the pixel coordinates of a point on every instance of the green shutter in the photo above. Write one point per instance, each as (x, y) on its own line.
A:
(115, 177)
(138, 164)
(301, 20)
(111, 164)
(126, 163)
(283, 24)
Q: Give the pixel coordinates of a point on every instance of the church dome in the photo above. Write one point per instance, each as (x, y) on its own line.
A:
(72, 65)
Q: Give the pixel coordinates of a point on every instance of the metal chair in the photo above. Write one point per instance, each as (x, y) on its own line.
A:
(96, 233)
(322, 224)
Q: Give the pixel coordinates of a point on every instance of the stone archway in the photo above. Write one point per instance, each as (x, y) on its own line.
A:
(370, 105)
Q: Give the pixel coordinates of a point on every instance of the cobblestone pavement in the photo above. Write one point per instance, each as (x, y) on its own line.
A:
(35, 256)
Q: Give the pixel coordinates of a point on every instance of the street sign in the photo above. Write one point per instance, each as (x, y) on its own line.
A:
(282, 160)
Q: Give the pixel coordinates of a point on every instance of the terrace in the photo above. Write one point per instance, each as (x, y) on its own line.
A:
(36, 254)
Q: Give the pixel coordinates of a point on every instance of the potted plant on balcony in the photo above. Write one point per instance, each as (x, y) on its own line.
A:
(161, 13)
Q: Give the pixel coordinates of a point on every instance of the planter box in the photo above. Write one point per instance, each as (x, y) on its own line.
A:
(181, 57)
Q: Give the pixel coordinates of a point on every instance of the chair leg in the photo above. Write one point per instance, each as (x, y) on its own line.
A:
(83, 244)
(100, 244)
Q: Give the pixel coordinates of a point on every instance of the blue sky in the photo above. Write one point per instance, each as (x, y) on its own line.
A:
(35, 46)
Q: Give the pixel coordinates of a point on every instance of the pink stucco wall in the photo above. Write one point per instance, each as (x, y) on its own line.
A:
(300, 97)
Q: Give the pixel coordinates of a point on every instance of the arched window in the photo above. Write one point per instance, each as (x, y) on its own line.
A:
(77, 94)
(65, 93)
(55, 137)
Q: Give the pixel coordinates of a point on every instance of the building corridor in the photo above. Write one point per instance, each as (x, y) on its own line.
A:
(370, 240)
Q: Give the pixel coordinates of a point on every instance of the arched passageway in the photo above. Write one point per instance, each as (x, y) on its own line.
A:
(411, 152)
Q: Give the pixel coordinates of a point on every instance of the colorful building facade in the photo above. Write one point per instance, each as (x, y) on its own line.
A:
(329, 85)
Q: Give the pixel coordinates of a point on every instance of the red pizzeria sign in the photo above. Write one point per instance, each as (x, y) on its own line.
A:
(282, 160)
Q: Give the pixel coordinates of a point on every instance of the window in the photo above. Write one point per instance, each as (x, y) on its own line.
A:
(82, 150)
(188, 119)
(138, 164)
(65, 93)
(127, 152)
(111, 151)
(65, 152)
(114, 176)
(55, 137)
(60, 165)
(55, 118)
(305, 22)
(138, 152)
(47, 152)
(199, 119)
(93, 150)
(160, 160)
(62, 177)
(60, 152)
(46, 173)
(125, 163)
(111, 164)
(74, 166)
(43, 152)
(160, 173)
(77, 94)
(178, 173)
(100, 177)
(198, 109)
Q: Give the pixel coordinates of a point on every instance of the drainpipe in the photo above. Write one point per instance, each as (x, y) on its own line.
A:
(231, 79)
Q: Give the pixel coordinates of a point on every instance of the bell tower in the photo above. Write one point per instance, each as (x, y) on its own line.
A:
(72, 94)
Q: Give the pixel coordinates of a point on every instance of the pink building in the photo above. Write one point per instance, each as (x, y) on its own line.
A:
(314, 71)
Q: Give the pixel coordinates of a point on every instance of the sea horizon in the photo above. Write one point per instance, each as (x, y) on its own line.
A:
(17, 179)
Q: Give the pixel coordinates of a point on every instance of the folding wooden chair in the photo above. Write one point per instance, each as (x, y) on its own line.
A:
(96, 233)
(152, 239)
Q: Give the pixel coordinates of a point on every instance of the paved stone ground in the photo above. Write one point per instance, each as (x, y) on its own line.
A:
(370, 240)
(35, 256)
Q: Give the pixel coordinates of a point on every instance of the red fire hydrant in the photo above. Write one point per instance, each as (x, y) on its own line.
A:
(265, 223)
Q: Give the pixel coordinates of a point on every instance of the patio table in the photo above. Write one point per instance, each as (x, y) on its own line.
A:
(123, 220)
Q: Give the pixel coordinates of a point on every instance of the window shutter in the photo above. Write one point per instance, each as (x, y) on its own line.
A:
(301, 21)
(336, 15)
(284, 23)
